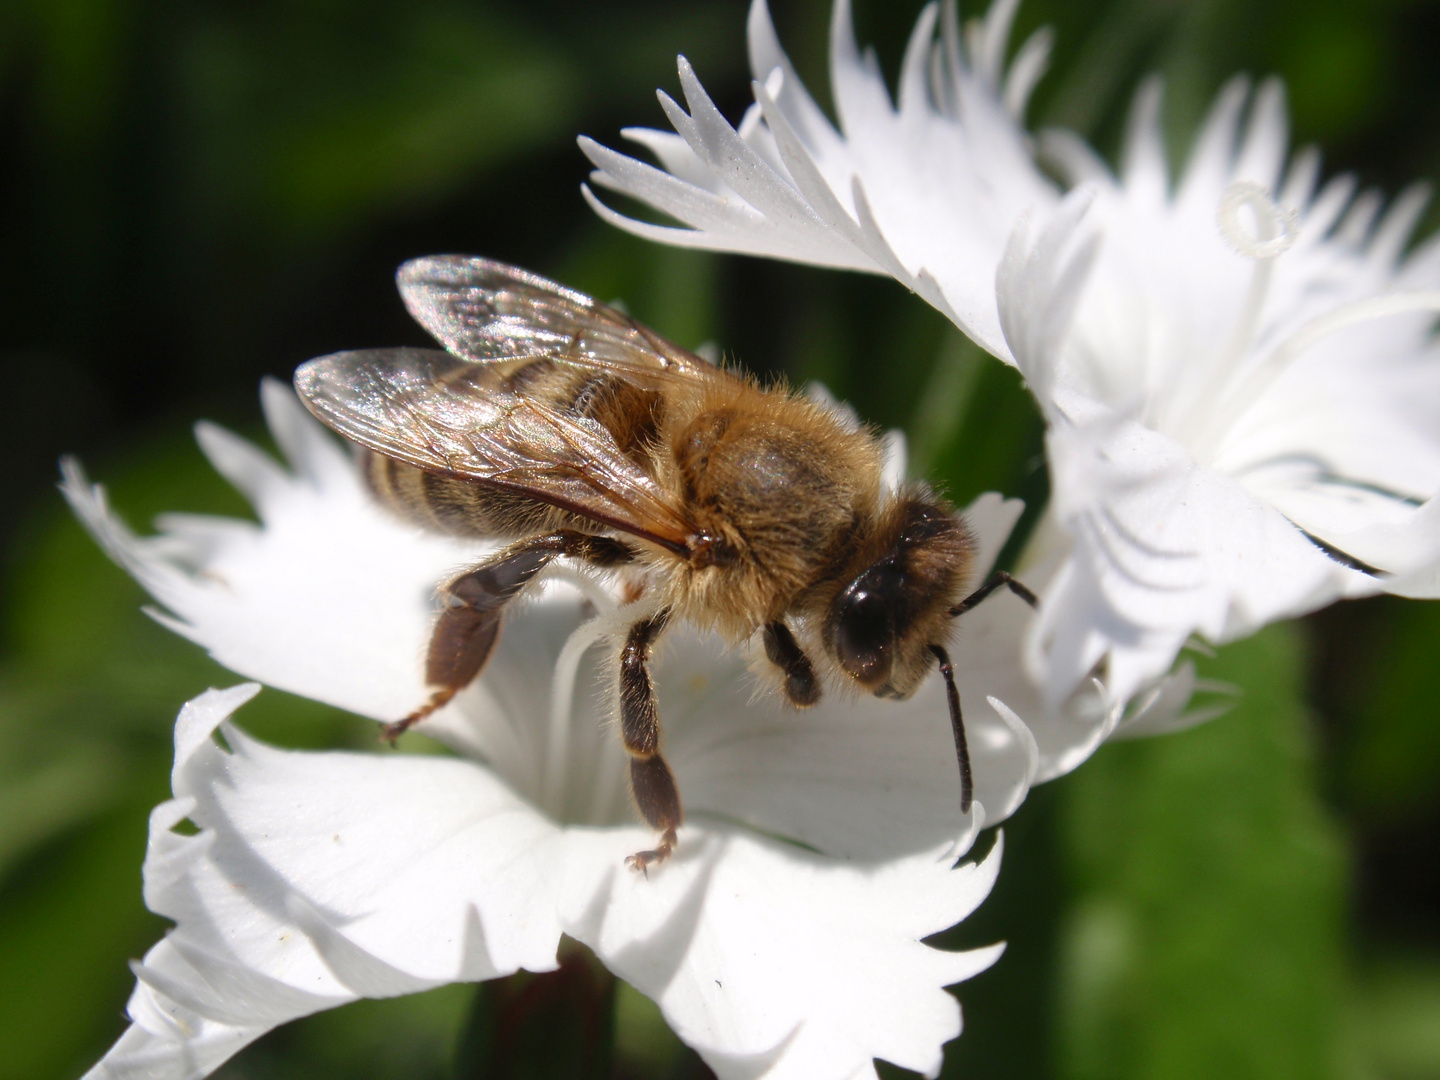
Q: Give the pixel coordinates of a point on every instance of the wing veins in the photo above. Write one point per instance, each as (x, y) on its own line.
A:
(415, 405)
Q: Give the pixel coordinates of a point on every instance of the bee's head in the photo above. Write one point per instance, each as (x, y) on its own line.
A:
(881, 624)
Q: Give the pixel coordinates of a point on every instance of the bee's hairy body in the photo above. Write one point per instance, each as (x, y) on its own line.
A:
(742, 508)
(784, 490)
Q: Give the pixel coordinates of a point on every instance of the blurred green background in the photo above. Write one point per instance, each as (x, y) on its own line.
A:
(196, 194)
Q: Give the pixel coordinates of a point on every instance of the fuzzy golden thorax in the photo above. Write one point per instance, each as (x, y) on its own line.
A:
(776, 486)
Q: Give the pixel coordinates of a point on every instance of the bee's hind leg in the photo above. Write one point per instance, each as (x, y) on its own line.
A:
(469, 627)
(651, 781)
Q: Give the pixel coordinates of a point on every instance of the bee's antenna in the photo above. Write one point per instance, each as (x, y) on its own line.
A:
(997, 579)
(957, 724)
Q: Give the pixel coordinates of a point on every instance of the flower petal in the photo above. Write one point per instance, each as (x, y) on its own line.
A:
(332, 599)
(926, 191)
(317, 878)
(776, 962)
(1409, 548)
(1164, 548)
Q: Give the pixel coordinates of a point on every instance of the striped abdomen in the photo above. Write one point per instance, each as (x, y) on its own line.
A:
(460, 507)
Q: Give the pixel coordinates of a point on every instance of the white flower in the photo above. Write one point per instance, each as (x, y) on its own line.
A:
(1244, 404)
(1242, 392)
(785, 937)
(927, 192)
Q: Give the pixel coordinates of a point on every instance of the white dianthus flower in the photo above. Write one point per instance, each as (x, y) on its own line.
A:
(1237, 371)
(783, 939)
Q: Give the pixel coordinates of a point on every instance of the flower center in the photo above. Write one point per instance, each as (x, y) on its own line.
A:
(1234, 387)
(1276, 226)
(559, 733)
(1271, 231)
(582, 776)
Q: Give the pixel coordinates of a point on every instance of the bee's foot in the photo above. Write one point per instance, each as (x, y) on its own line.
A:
(641, 861)
(392, 731)
(802, 693)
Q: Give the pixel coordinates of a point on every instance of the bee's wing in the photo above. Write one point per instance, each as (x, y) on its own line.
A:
(486, 311)
(453, 416)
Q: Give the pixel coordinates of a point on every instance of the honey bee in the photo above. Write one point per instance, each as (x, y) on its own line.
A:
(572, 430)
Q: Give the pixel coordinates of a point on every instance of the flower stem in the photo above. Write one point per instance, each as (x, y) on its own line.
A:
(557, 1023)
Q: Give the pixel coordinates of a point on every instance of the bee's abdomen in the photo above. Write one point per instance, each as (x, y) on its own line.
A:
(456, 506)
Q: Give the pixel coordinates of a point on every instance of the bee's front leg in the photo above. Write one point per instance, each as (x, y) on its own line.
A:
(650, 778)
(802, 689)
(469, 627)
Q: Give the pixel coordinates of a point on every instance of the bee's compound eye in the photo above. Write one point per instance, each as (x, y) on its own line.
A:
(865, 634)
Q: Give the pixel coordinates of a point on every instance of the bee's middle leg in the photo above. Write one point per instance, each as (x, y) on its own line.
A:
(469, 627)
(802, 689)
(650, 778)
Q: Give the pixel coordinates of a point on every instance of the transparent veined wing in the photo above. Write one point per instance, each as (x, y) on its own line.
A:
(486, 311)
(449, 415)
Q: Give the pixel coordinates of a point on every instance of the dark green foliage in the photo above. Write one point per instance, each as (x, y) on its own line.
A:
(1205, 935)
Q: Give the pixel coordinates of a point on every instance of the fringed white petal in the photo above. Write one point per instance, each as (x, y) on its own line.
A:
(319, 878)
(1163, 549)
(776, 963)
(332, 599)
(925, 189)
